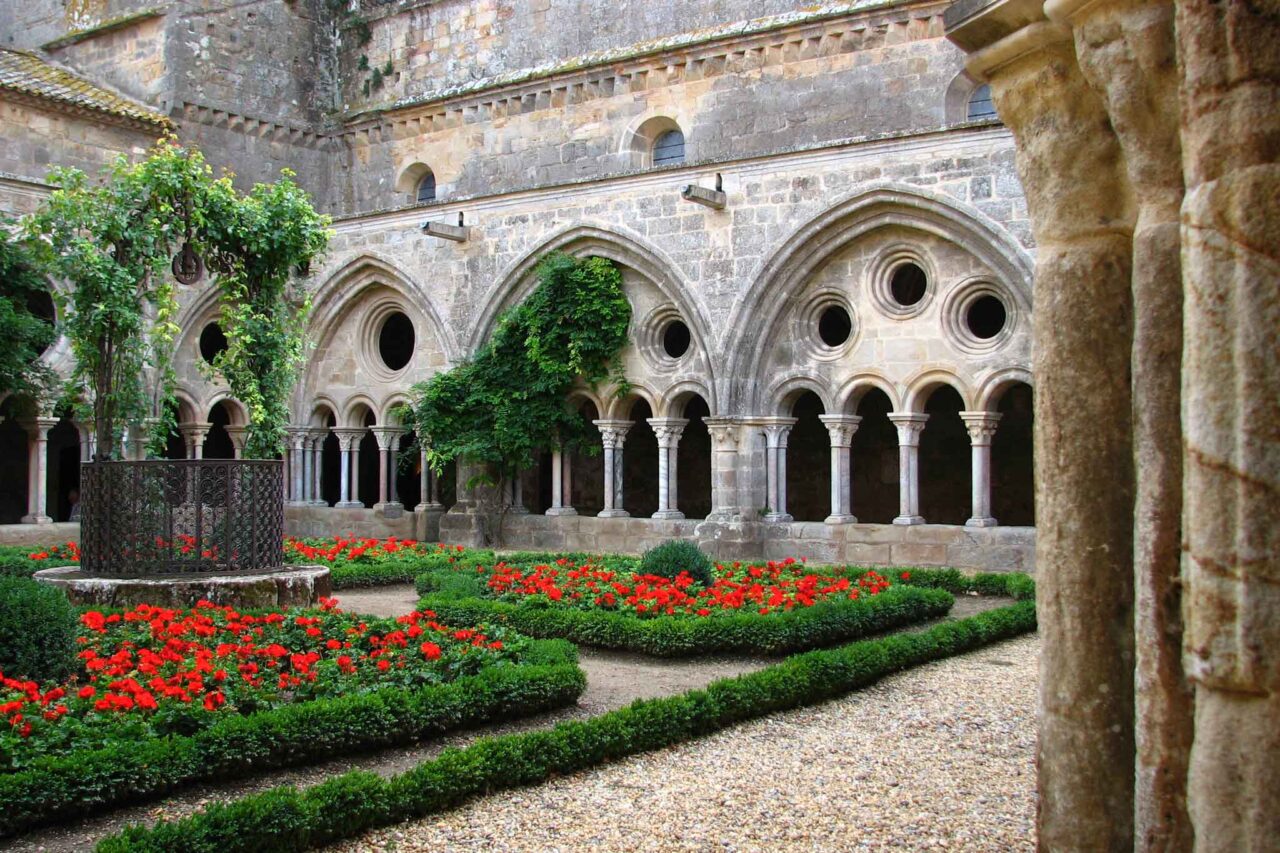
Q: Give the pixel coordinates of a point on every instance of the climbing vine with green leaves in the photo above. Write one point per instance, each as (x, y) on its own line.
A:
(25, 333)
(113, 240)
(502, 407)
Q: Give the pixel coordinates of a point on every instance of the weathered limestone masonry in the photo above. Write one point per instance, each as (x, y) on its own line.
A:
(1205, 720)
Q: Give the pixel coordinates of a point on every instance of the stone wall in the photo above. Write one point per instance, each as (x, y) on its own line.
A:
(129, 57)
(40, 535)
(36, 139)
(998, 549)
(791, 84)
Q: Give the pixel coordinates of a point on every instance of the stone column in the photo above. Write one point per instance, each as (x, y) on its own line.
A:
(1230, 66)
(136, 441)
(668, 432)
(38, 470)
(982, 427)
(613, 433)
(347, 439)
(841, 429)
(239, 435)
(909, 428)
(88, 442)
(561, 494)
(515, 497)
(1071, 168)
(776, 430)
(297, 439)
(193, 435)
(388, 438)
(1127, 52)
(318, 436)
(725, 435)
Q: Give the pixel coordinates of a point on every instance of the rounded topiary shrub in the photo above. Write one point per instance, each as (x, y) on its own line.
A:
(671, 558)
(37, 631)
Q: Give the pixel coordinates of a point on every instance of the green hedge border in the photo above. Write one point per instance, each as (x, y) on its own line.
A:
(291, 819)
(548, 678)
(824, 624)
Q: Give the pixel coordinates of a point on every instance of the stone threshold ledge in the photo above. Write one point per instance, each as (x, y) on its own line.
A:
(290, 586)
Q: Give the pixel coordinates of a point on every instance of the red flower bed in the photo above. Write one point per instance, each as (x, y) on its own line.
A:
(65, 553)
(356, 549)
(153, 671)
(770, 588)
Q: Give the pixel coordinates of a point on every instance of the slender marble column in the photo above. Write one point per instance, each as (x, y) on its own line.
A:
(613, 434)
(38, 470)
(388, 438)
(981, 426)
(668, 432)
(909, 428)
(560, 503)
(298, 446)
(841, 429)
(318, 437)
(347, 439)
(239, 435)
(776, 431)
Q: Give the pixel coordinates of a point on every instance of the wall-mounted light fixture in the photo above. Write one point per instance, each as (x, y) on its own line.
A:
(457, 233)
(714, 199)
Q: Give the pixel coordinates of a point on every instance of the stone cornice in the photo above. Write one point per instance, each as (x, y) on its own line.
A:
(698, 55)
(99, 116)
(103, 28)
(269, 129)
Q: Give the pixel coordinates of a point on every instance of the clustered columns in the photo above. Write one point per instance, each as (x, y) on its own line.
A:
(430, 487)
(613, 434)
(841, 428)
(776, 431)
(668, 432)
(193, 436)
(981, 426)
(561, 483)
(317, 436)
(909, 426)
(299, 467)
(388, 438)
(349, 445)
(37, 469)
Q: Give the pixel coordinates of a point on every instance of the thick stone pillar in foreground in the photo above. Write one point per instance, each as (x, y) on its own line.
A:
(1230, 57)
(1126, 51)
(1070, 164)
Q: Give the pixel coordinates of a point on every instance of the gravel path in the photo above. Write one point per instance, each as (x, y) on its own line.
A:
(940, 757)
(614, 680)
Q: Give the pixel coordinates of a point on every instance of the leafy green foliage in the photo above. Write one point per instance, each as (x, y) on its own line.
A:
(37, 630)
(254, 244)
(57, 786)
(287, 818)
(502, 407)
(675, 556)
(113, 240)
(24, 332)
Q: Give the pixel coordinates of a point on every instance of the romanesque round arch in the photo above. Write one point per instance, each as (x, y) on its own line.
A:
(782, 395)
(920, 386)
(856, 387)
(994, 386)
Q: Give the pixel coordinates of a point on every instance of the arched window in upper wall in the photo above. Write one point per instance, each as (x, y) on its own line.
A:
(668, 148)
(427, 187)
(980, 104)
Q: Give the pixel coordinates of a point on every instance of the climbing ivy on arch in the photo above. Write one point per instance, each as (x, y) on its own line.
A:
(500, 408)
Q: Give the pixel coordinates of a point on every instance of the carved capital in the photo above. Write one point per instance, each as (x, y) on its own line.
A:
(668, 430)
(981, 426)
(349, 437)
(725, 432)
(841, 428)
(909, 425)
(613, 433)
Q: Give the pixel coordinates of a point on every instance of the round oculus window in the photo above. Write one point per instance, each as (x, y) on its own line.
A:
(212, 342)
(676, 339)
(396, 340)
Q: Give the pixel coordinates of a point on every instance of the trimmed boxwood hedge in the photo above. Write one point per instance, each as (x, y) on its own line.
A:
(455, 597)
(354, 575)
(291, 819)
(548, 678)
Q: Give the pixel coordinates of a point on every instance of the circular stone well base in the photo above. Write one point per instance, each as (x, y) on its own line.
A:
(291, 586)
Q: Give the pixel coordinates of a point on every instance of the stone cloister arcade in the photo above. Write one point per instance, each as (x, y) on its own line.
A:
(857, 382)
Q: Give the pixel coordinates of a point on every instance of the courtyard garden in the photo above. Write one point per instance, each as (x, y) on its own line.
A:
(491, 654)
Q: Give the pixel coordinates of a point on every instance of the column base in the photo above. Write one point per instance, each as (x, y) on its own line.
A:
(317, 503)
(561, 510)
(987, 521)
(909, 519)
(429, 508)
(845, 519)
(297, 503)
(613, 513)
(517, 510)
(779, 517)
(36, 519)
(348, 505)
(673, 514)
(390, 509)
